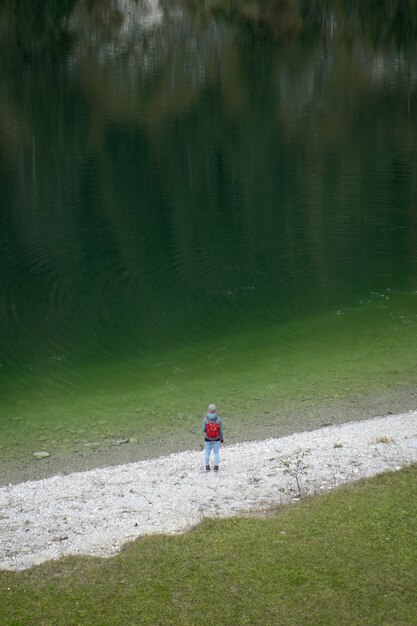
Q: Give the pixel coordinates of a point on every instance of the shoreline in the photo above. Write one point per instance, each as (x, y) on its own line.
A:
(95, 512)
(278, 423)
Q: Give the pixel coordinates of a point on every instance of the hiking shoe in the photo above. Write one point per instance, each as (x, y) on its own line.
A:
(216, 468)
(207, 468)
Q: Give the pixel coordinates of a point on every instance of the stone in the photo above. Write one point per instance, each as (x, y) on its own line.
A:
(119, 442)
(41, 454)
(91, 444)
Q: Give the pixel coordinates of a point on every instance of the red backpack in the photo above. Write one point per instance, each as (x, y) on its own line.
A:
(212, 429)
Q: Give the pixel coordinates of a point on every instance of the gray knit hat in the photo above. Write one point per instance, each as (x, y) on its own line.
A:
(212, 408)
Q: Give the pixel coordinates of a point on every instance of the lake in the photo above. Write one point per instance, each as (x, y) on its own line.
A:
(202, 203)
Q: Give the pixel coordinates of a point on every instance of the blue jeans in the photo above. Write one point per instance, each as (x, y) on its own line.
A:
(215, 445)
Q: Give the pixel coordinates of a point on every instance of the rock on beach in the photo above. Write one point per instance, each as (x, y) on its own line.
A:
(41, 454)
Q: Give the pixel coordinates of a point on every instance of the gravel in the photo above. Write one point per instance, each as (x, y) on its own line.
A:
(95, 512)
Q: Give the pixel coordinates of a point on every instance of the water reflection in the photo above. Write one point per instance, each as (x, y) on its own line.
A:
(174, 172)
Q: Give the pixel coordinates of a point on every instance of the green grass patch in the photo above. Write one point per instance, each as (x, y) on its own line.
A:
(346, 558)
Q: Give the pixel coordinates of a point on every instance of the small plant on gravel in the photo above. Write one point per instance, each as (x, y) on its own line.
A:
(384, 439)
(296, 468)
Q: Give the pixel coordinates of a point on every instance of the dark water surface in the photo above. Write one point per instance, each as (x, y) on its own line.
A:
(203, 203)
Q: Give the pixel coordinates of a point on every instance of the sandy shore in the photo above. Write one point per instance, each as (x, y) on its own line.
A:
(95, 512)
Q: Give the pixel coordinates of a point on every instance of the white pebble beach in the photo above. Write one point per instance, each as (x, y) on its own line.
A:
(95, 512)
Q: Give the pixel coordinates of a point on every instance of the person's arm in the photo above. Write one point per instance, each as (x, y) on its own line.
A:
(203, 428)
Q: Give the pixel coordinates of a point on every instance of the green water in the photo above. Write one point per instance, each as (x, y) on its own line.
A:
(203, 204)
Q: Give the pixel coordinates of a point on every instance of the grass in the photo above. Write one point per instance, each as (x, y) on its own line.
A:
(345, 558)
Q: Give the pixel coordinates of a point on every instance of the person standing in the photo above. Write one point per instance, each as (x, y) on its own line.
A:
(213, 436)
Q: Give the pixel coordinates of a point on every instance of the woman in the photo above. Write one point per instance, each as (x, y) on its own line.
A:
(213, 436)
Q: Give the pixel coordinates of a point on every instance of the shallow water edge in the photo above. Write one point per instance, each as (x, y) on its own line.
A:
(258, 426)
